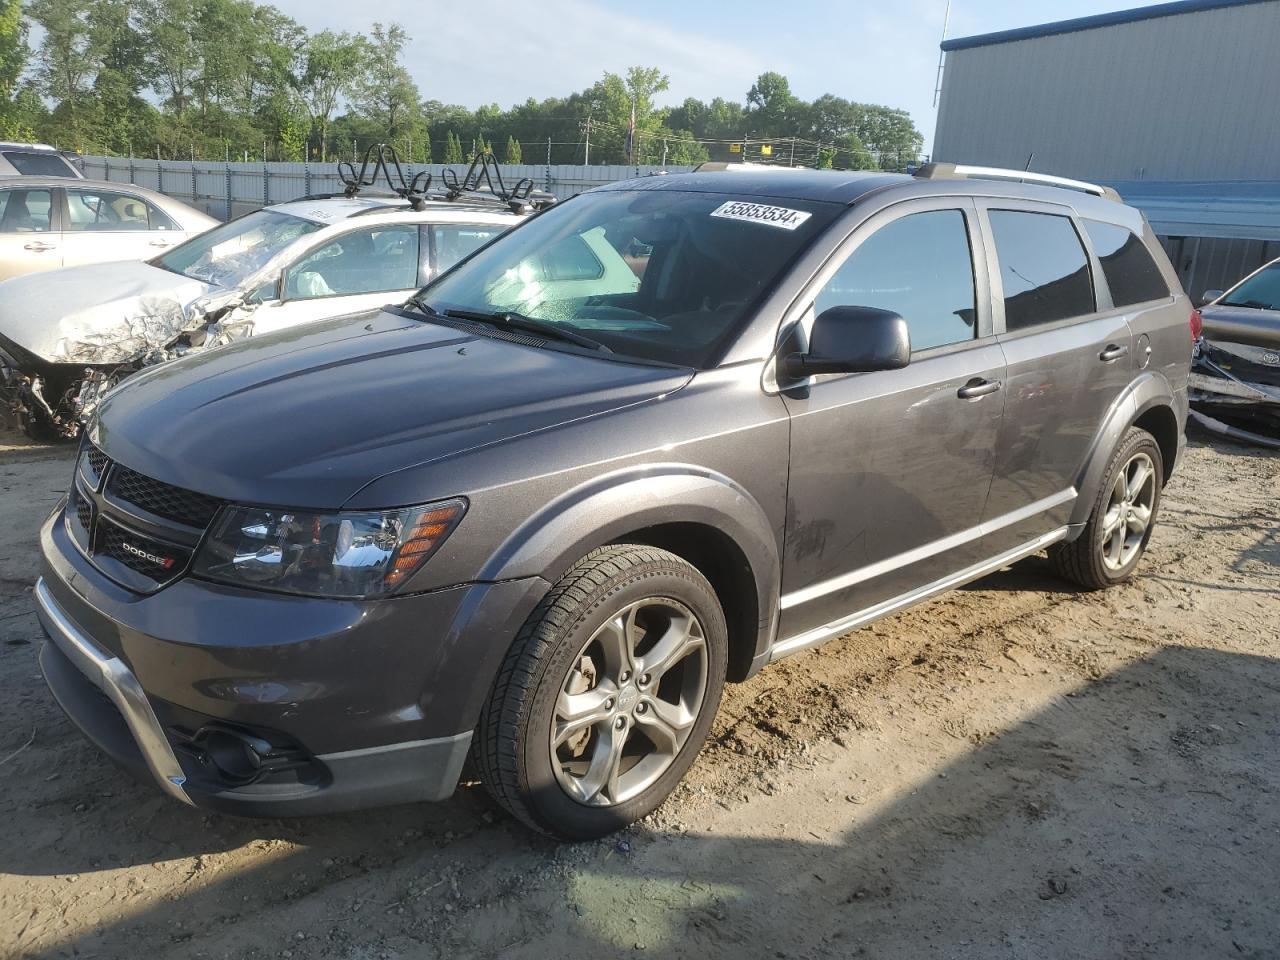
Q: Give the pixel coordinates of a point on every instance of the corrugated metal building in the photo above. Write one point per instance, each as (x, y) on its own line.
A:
(1172, 104)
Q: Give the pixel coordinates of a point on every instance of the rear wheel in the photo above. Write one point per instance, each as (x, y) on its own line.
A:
(606, 697)
(1123, 517)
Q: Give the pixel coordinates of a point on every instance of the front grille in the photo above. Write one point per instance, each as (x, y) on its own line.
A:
(159, 562)
(97, 461)
(84, 512)
(162, 499)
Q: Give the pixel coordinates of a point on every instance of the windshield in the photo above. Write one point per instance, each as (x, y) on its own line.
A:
(657, 275)
(228, 255)
(1261, 291)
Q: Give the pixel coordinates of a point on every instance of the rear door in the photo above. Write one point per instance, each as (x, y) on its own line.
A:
(890, 470)
(1068, 358)
(29, 240)
(102, 225)
(359, 270)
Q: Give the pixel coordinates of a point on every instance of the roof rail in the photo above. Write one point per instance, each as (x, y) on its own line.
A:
(955, 171)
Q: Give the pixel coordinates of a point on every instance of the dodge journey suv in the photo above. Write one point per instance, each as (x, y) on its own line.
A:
(645, 443)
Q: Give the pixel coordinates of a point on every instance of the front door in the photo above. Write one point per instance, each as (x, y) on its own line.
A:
(890, 470)
(361, 270)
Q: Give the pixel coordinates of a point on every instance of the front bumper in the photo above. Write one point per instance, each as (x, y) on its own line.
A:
(375, 700)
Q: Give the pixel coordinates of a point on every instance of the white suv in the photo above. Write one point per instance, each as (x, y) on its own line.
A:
(67, 335)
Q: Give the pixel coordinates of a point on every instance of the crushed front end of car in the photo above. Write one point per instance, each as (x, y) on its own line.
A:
(1235, 389)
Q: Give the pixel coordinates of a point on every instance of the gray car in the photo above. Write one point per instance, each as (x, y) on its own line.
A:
(539, 519)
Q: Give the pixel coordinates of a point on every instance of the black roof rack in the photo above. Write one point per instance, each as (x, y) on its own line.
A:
(482, 186)
(483, 183)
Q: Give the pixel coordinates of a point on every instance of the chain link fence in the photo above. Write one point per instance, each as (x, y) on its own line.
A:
(226, 190)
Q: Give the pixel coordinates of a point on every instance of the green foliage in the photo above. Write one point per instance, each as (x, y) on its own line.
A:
(214, 78)
(453, 149)
(512, 154)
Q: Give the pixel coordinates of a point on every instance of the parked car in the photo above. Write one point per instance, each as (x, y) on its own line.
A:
(315, 570)
(36, 160)
(47, 223)
(1236, 375)
(69, 336)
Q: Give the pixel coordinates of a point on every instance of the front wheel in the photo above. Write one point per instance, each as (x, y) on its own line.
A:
(607, 695)
(1123, 517)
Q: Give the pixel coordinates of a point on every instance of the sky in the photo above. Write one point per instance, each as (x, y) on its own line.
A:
(883, 53)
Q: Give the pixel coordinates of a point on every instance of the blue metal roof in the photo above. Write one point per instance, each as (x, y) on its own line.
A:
(1234, 209)
(1089, 23)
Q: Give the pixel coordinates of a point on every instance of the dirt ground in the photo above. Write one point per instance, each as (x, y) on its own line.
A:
(1016, 770)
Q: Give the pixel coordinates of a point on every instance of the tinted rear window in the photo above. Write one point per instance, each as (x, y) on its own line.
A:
(38, 164)
(1131, 273)
(1043, 268)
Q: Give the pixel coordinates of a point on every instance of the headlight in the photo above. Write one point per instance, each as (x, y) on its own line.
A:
(325, 555)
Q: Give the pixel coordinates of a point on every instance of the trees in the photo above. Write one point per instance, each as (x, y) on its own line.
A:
(385, 92)
(329, 65)
(182, 78)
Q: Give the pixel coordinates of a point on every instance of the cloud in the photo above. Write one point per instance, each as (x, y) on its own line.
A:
(518, 50)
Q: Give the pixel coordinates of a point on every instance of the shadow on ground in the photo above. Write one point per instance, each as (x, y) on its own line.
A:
(1136, 817)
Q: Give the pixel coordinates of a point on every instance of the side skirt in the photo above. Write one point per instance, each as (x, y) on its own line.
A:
(811, 638)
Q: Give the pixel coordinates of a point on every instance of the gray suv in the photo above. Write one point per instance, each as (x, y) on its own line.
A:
(645, 443)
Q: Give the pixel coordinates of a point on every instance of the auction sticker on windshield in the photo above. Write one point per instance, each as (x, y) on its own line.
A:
(783, 217)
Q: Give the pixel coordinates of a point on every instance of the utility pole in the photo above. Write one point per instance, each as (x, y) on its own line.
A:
(793, 151)
(937, 86)
(586, 156)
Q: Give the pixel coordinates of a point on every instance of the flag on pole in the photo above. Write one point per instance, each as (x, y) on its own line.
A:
(631, 136)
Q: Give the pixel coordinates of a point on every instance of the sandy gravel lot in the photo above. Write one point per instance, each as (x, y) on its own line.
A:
(1017, 770)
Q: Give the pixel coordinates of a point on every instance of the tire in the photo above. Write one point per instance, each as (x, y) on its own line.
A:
(1092, 560)
(572, 651)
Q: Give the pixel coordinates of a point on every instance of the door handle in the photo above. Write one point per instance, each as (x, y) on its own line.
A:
(1113, 351)
(977, 388)
(39, 246)
(161, 243)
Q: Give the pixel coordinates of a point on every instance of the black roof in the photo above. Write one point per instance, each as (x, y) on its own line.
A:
(831, 186)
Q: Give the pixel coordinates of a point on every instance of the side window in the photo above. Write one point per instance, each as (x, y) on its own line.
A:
(159, 219)
(1043, 268)
(26, 211)
(920, 267)
(39, 164)
(454, 241)
(373, 260)
(99, 211)
(1126, 263)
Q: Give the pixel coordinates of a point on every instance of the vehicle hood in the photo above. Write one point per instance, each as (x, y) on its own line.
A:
(1259, 328)
(99, 313)
(307, 416)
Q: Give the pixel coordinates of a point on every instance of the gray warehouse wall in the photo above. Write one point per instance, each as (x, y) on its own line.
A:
(1182, 97)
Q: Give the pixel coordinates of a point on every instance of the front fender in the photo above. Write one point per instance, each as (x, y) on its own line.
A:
(1150, 389)
(609, 507)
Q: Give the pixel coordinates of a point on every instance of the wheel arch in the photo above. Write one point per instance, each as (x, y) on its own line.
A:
(700, 515)
(1148, 403)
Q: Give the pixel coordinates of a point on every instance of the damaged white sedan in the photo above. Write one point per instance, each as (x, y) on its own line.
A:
(69, 335)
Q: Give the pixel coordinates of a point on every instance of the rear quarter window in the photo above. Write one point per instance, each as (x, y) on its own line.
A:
(1043, 268)
(39, 164)
(1126, 263)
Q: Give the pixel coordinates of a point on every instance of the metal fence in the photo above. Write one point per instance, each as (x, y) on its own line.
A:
(227, 190)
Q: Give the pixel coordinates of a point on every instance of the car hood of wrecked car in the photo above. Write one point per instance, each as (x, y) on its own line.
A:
(100, 313)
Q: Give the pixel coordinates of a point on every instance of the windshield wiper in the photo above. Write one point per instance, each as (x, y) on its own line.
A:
(518, 321)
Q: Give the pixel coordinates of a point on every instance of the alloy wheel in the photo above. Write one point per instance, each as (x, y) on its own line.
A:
(1129, 509)
(629, 702)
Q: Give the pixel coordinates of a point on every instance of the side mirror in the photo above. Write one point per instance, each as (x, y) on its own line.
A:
(1209, 296)
(853, 340)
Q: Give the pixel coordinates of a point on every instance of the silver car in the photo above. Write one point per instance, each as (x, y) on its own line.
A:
(51, 222)
(1236, 377)
(36, 160)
